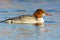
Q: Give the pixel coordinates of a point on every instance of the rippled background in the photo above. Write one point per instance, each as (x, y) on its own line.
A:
(50, 30)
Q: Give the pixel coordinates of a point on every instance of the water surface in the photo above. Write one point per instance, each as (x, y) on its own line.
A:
(50, 30)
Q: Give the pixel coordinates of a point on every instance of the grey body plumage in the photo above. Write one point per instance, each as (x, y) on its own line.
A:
(18, 19)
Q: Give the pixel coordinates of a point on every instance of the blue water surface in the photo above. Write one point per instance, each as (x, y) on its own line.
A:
(50, 30)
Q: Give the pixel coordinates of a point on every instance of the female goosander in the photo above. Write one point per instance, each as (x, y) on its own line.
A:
(37, 17)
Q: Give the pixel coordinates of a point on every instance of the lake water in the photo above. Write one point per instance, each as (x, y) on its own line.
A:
(50, 30)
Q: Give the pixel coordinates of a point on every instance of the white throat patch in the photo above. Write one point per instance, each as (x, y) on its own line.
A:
(41, 20)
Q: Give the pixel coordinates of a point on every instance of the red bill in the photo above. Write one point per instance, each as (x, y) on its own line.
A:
(47, 14)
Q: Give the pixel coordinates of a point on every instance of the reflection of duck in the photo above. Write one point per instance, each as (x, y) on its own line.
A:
(37, 17)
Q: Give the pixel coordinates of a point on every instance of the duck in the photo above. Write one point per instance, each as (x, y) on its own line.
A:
(36, 17)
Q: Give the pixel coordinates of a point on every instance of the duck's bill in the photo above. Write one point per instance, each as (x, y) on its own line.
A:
(47, 14)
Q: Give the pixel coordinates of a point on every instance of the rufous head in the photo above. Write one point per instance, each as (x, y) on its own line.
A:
(40, 12)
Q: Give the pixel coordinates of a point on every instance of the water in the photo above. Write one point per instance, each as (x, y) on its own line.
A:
(50, 30)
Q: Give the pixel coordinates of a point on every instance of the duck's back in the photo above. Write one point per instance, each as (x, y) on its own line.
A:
(27, 19)
(21, 19)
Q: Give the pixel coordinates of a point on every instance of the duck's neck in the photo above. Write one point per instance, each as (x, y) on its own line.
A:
(37, 15)
(41, 20)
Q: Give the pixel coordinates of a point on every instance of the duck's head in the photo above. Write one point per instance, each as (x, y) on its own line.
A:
(40, 12)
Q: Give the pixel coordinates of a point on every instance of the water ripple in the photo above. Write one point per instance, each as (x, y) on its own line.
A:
(50, 22)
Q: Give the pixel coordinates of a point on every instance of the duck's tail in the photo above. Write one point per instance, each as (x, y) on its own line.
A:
(2, 21)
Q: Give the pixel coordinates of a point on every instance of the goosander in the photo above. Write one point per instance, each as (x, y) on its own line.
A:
(37, 17)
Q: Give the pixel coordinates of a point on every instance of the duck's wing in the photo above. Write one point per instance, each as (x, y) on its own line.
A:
(19, 17)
